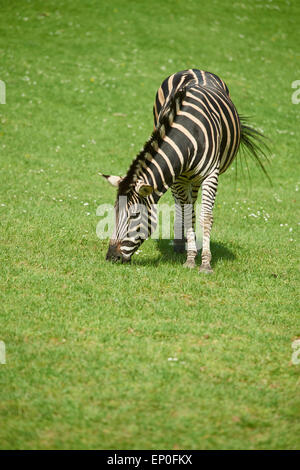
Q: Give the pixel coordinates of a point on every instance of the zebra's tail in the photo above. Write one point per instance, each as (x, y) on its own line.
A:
(253, 143)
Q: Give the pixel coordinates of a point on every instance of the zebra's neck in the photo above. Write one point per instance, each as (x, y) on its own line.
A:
(160, 161)
(162, 165)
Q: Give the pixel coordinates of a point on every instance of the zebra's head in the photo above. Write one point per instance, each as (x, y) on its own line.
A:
(135, 219)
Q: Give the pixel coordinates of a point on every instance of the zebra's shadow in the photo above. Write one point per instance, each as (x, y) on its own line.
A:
(167, 255)
(218, 250)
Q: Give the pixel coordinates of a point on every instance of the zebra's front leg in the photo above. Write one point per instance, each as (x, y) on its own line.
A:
(189, 222)
(179, 239)
(209, 190)
(191, 249)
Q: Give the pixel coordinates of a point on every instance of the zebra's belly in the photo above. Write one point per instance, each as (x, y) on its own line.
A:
(188, 178)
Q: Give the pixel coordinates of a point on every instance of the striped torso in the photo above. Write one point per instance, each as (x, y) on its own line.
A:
(197, 133)
(207, 122)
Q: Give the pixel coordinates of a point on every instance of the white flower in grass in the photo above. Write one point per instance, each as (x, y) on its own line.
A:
(276, 197)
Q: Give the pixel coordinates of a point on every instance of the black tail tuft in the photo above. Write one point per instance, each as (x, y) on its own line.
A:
(254, 144)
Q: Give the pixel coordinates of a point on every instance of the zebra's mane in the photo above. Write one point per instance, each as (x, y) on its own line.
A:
(166, 118)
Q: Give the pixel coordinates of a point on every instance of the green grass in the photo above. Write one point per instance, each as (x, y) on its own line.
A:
(88, 342)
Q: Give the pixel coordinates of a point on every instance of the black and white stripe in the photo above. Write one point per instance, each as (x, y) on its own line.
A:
(196, 137)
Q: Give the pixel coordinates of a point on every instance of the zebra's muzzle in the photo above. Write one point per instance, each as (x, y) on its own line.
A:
(118, 258)
(114, 255)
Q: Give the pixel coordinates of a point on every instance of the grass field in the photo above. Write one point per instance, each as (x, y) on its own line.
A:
(147, 356)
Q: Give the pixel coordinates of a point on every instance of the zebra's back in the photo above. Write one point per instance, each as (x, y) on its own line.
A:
(197, 134)
(183, 79)
(207, 122)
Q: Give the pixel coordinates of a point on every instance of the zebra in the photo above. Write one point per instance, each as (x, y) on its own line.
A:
(167, 89)
(197, 133)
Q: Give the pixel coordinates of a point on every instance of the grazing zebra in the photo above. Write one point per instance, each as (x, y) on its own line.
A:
(196, 137)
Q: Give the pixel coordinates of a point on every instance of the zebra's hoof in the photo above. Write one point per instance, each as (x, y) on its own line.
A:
(205, 269)
(190, 264)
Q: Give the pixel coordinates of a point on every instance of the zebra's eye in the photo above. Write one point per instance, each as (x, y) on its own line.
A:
(134, 215)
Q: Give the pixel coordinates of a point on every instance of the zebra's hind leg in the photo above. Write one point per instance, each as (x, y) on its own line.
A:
(207, 220)
(209, 190)
(185, 220)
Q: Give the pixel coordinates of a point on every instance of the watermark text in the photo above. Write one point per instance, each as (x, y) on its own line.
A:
(2, 92)
(296, 94)
(2, 353)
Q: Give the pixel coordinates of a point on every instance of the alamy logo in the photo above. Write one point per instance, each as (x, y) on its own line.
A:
(295, 95)
(163, 215)
(2, 92)
(2, 353)
(296, 353)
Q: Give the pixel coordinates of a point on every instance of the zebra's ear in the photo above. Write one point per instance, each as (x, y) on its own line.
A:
(113, 180)
(143, 189)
